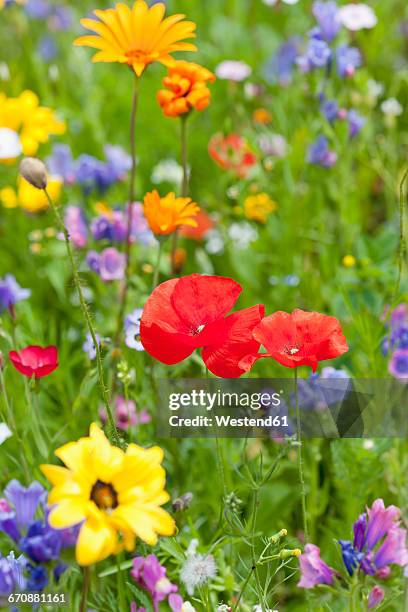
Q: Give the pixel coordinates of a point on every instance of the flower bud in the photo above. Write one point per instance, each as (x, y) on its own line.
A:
(278, 536)
(33, 170)
(287, 553)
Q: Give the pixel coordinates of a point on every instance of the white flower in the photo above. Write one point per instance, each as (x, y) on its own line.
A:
(232, 70)
(197, 570)
(10, 145)
(224, 608)
(368, 444)
(374, 91)
(258, 608)
(187, 607)
(167, 171)
(273, 144)
(356, 17)
(242, 234)
(214, 242)
(391, 107)
(5, 433)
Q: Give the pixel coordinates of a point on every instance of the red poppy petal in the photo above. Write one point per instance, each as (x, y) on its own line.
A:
(276, 331)
(167, 347)
(199, 300)
(15, 360)
(44, 370)
(237, 351)
(30, 356)
(49, 356)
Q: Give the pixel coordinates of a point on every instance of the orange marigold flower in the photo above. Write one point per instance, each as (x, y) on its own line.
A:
(185, 89)
(165, 215)
(262, 116)
(137, 36)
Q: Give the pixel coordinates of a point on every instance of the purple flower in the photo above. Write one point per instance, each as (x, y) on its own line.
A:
(126, 415)
(359, 529)
(47, 48)
(101, 228)
(38, 9)
(11, 292)
(327, 17)
(356, 123)
(111, 265)
(398, 365)
(91, 173)
(320, 155)
(380, 521)
(150, 575)
(38, 577)
(313, 569)
(140, 230)
(25, 500)
(347, 60)
(92, 259)
(88, 346)
(399, 316)
(42, 543)
(330, 110)
(60, 163)
(393, 549)
(61, 18)
(12, 575)
(76, 225)
(118, 161)
(132, 330)
(375, 597)
(280, 67)
(318, 53)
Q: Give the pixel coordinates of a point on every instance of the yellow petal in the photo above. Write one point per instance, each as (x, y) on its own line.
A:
(67, 514)
(55, 474)
(96, 541)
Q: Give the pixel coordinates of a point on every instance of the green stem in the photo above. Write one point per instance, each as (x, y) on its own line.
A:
(132, 183)
(121, 584)
(184, 183)
(87, 315)
(401, 245)
(300, 461)
(85, 589)
(157, 266)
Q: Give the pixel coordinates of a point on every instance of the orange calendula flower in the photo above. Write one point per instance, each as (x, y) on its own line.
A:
(262, 116)
(165, 215)
(137, 36)
(116, 495)
(258, 207)
(186, 88)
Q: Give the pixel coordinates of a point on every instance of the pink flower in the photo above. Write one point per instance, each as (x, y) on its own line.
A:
(126, 414)
(376, 596)
(393, 549)
(380, 521)
(314, 570)
(151, 576)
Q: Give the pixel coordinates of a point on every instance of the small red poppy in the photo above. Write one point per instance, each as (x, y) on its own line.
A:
(232, 153)
(188, 313)
(35, 361)
(301, 338)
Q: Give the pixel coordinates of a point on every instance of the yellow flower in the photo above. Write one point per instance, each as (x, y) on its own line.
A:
(33, 123)
(258, 207)
(164, 215)
(28, 197)
(138, 36)
(116, 495)
(349, 261)
(261, 115)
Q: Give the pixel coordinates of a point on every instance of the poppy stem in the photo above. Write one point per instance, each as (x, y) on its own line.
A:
(300, 461)
(113, 434)
(132, 183)
(184, 184)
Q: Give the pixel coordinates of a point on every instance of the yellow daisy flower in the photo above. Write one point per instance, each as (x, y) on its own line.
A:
(31, 122)
(258, 207)
(116, 495)
(137, 36)
(165, 215)
(30, 198)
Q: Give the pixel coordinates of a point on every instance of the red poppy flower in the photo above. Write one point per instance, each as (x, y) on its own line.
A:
(301, 338)
(204, 225)
(35, 361)
(190, 312)
(232, 153)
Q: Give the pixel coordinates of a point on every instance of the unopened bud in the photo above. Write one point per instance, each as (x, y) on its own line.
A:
(286, 553)
(278, 536)
(33, 170)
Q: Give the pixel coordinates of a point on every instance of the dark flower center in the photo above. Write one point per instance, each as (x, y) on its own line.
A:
(104, 495)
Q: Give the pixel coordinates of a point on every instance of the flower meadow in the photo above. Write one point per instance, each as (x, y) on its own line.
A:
(210, 191)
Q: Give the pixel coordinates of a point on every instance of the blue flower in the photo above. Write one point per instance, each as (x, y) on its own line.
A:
(89, 347)
(61, 163)
(132, 330)
(320, 155)
(326, 14)
(11, 292)
(47, 48)
(351, 557)
(330, 110)
(318, 55)
(37, 578)
(347, 60)
(356, 123)
(280, 67)
(25, 500)
(42, 543)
